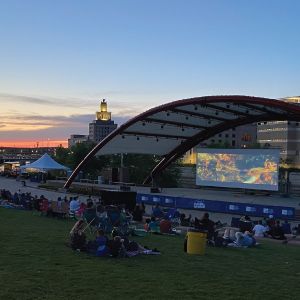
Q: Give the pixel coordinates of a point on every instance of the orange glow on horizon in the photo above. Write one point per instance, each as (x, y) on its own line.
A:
(34, 144)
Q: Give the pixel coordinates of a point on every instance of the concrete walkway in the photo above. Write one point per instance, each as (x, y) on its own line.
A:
(32, 187)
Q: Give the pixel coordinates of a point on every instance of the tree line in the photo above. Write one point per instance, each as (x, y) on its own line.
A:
(138, 165)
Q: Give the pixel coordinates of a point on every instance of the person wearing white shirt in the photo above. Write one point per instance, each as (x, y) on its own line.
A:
(259, 230)
(74, 204)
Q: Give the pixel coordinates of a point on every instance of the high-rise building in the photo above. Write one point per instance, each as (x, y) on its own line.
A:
(77, 139)
(103, 125)
(284, 135)
(238, 137)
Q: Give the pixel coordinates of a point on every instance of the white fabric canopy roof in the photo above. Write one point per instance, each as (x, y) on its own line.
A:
(45, 163)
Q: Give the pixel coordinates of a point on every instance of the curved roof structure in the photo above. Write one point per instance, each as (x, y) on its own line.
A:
(172, 129)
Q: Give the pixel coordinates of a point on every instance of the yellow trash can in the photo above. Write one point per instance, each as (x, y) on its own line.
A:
(196, 242)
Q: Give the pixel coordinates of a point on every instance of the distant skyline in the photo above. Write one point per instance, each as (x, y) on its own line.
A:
(59, 58)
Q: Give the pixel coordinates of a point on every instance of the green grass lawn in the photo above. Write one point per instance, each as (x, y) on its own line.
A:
(36, 264)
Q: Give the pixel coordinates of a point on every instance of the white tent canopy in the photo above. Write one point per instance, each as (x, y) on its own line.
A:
(43, 164)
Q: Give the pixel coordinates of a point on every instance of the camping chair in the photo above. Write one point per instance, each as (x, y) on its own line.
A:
(89, 228)
(114, 216)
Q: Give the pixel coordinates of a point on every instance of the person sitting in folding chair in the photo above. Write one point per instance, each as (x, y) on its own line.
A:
(124, 223)
(113, 215)
(90, 214)
(77, 236)
(74, 206)
(44, 206)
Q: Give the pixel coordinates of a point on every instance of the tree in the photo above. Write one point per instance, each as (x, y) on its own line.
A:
(61, 154)
(74, 156)
(141, 165)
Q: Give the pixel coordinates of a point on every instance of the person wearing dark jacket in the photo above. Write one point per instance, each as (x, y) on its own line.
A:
(137, 214)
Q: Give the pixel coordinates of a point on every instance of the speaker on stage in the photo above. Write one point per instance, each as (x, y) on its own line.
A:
(110, 197)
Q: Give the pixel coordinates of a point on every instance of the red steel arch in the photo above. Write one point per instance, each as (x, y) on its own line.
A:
(180, 125)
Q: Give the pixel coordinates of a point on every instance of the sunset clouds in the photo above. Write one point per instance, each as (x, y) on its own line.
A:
(27, 119)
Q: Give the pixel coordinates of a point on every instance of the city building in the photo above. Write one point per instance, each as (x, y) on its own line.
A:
(24, 154)
(103, 125)
(284, 135)
(98, 129)
(77, 139)
(240, 137)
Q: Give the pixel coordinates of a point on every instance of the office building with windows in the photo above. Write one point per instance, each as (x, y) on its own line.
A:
(77, 139)
(238, 137)
(284, 135)
(103, 125)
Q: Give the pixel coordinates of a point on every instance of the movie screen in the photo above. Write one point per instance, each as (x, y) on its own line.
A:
(238, 168)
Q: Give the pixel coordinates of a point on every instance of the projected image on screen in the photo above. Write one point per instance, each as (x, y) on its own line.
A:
(256, 169)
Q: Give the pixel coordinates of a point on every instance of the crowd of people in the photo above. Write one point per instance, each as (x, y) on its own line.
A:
(107, 219)
(102, 245)
(247, 231)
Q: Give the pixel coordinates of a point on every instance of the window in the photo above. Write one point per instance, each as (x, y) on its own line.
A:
(220, 135)
(226, 135)
(233, 143)
(233, 136)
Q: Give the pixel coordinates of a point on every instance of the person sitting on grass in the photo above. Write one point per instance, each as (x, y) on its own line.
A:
(122, 247)
(157, 212)
(146, 225)
(207, 225)
(98, 247)
(185, 221)
(90, 214)
(74, 204)
(244, 239)
(165, 226)
(77, 236)
(245, 224)
(137, 214)
(153, 226)
(259, 230)
(276, 232)
(81, 209)
(286, 227)
(116, 247)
